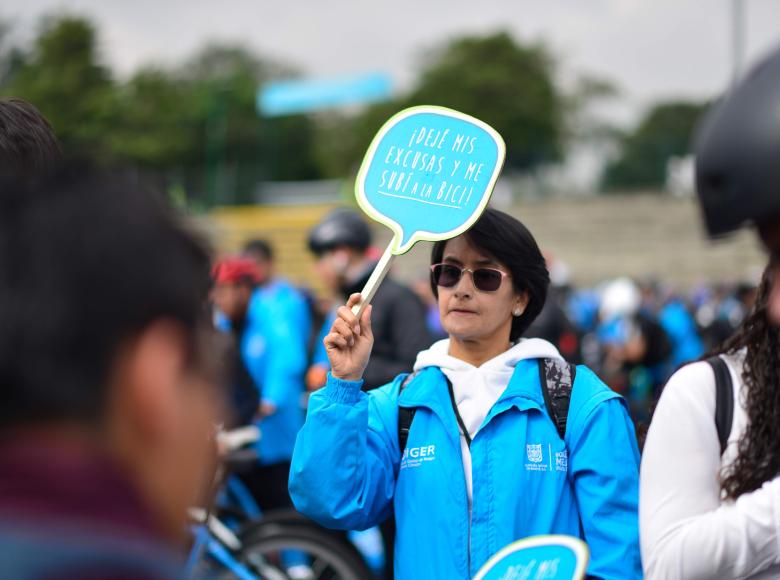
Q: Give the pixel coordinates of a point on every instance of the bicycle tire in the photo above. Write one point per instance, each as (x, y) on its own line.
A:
(331, 560)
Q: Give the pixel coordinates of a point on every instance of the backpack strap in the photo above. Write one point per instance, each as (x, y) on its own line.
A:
(557, 381)
(724, 400)
(405, 415)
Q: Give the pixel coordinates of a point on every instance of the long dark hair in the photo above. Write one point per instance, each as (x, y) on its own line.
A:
(758, 458)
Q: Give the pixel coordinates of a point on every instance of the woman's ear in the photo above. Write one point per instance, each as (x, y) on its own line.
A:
(521, 303)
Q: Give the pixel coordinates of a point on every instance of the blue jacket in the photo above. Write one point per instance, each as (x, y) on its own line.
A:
(348, 472)
(274, 350)
(681, 328)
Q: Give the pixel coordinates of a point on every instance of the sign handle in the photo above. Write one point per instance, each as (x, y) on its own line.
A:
(379, 273)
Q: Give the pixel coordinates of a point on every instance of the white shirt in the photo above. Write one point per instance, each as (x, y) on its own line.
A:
(477, 389)
(687, 531)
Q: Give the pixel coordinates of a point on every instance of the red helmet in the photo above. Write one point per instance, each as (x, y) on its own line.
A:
(235, 270)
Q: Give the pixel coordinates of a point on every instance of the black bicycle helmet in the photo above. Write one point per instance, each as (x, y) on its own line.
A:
(738, 152)
(341, 227)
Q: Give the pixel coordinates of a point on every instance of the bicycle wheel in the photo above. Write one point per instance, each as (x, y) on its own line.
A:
(318, 556)
(291, 517)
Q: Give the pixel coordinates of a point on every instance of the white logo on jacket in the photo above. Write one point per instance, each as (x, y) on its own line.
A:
(550, 462)
(534, 453)
(416, 456)
(562, 460)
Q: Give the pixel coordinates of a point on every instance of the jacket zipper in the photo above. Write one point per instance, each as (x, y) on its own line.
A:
(463, 433)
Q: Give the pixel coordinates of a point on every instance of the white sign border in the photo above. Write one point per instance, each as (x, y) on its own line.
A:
(422, 235)
(579, 548)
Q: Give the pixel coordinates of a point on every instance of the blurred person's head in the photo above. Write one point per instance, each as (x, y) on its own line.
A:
(104, 331)
(737, 147)
(27, 142)
(339, 243)
(620, 298)
(262, 253)
(506, 287)
(235, 279)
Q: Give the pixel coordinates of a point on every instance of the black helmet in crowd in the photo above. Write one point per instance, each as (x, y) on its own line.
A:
(341, 227)
(738, 152)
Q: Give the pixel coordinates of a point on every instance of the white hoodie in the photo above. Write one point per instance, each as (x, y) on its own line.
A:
(477, 389)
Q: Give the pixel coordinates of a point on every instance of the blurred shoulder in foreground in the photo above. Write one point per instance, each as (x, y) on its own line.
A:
(106, 373)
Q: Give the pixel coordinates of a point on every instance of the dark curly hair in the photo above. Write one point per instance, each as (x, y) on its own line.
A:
(758, 458)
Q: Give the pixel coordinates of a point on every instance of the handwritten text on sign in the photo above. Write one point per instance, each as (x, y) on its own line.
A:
(429, 174)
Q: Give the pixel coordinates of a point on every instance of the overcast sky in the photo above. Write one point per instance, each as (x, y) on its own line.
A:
(651, 49)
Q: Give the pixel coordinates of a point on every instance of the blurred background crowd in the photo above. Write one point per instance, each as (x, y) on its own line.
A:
(255, 144)
(597, 103)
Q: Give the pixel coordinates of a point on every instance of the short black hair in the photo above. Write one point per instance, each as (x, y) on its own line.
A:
(509, 242)
(27, 142)
(261, 247)
(88, 259)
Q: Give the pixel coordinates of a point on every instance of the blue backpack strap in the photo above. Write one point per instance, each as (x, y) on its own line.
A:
(724, 400)
(405, 415)
(557, 381)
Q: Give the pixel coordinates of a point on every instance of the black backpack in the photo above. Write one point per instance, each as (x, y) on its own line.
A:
(557, 380)
(724, 400)
(724, 404)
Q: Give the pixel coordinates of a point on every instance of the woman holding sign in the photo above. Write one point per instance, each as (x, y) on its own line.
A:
(487, 441)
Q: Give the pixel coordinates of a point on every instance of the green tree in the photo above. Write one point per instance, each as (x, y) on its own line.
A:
(494, 78)
(239, 147)
(195, 125)
(62, 75)
(582, 124)
(508, 85)
(158, 125)
(664, 132)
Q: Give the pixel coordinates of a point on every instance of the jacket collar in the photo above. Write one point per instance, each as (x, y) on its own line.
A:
(429, 389)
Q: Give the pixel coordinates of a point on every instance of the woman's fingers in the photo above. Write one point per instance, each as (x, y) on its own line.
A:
(335, 340)
(343, 328)
(347, 324)
(365, 322)
(353, 299)
(345, 313)
(349, 342)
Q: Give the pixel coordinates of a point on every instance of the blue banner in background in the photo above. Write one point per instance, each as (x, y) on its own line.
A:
(293, 97)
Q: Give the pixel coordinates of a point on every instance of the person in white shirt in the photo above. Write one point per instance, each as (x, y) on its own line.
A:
(703, 515)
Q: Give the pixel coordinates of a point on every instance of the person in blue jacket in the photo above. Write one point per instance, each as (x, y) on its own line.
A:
(680, 326)
(269, 320)
(483, 463)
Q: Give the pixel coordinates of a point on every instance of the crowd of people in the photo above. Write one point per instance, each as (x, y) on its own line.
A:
(632, 334)
(483, 406)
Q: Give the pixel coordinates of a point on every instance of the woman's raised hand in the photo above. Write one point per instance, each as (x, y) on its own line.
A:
(349, 342)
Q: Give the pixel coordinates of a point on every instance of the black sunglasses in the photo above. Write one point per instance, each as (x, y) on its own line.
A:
(485, 279)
